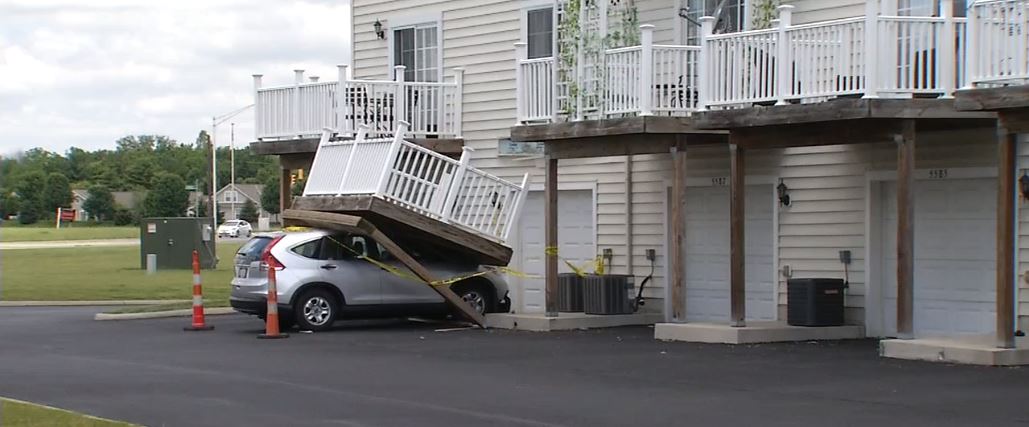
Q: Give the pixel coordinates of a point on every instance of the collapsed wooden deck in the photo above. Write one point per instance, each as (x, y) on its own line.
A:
(406, 225)
(384, 235)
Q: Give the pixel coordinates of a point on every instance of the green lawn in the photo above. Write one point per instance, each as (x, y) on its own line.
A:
(23, 414)
(74, 232)
(104, 273)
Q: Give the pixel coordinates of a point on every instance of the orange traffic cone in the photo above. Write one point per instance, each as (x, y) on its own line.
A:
(271, 318)
(198, 299)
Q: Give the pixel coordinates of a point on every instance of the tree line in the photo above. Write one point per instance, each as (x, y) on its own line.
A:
(34, 183)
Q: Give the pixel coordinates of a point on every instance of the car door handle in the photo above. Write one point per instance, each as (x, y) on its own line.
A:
(328, 267)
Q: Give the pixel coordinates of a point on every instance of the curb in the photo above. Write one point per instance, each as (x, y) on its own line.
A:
(186, 312)
(86, 303)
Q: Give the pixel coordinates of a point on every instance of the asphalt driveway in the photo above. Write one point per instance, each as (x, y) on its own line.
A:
(395, 373)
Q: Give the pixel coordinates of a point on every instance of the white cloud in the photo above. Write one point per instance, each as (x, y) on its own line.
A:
(76, 73)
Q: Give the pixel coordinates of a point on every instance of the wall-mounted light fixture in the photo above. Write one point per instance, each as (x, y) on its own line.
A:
(379, 32)
(784, 195)
(1023, 185)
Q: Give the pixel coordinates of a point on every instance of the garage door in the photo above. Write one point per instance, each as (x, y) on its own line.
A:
(575, 241)
(954, 257)
(707, 254)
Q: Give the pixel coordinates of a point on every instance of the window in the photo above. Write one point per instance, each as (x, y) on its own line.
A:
(308, 249)
(417, 48)
(729, 17)
(230, 196)
(344, 246)
(539, 36)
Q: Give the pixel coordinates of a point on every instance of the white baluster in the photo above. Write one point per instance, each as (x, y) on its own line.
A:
(455, 184)
(298, 78)
(342, 125)
(871, 49)
(513, 218)
(784, 60)
(259, 120)
(947, 63)
(521, 54)
(362, 132)
(707, 26)
(646, 70)
(391, 157)
(399, 97)
(458, 102)
(972, 47)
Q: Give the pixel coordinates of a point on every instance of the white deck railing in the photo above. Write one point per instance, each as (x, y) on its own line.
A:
(303, 110)
(417, 179)
(873, 55)
(998, 39)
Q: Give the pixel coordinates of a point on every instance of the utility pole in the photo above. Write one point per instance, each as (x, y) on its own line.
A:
(215, 121)
(232, 166)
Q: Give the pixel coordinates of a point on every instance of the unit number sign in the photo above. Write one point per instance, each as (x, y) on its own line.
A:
(937, 173)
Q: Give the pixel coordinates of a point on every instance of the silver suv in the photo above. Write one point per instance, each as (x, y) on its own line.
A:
(324, 278)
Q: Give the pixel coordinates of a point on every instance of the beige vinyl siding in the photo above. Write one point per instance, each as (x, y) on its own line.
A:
(807, 11)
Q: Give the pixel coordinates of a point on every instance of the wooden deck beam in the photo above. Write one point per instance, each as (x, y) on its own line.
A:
(992, 99)
(678, 234)
(843, 109)
(626, 126)
(360, 225)
(905, 230)
(1006, 254)
(551, 250)
(737, 236)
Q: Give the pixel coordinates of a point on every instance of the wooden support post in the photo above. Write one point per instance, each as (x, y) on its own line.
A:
(424, 274)
(678, 235)
(550, 220)
(905, 229)
(737, 243)
(285, 196)
(1006, 238)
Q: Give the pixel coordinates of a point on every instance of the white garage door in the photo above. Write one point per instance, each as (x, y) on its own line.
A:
(954, 256)
(575, 242)
(707, 254)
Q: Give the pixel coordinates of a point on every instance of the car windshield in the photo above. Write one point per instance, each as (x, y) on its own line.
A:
(231, 223)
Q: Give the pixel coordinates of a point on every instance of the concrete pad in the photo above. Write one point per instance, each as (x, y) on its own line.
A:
(567, 321)
(754, 332)
(973, 350)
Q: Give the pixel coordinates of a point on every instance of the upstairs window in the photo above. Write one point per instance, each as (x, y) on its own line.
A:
(539, 35)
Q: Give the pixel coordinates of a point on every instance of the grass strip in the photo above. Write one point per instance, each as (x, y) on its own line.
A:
(16, 413)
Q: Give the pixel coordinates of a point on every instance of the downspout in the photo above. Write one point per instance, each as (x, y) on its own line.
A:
(628, 214)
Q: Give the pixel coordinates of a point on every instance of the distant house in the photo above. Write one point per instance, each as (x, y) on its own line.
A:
(122, 199)
(232, 197)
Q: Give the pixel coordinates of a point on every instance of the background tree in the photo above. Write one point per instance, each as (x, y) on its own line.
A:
(270, 196)
(100, 203)
(57, 192)
(167, 197)
(249, 211)
(28, 188)
(8, 203)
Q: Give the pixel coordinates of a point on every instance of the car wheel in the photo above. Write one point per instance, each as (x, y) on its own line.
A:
(478, 295)
(316, 310)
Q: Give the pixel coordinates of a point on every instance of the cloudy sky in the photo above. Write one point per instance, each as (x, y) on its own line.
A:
(86, 72)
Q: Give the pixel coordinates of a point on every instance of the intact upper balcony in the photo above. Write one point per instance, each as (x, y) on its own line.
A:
(605, 69)
(306, 108)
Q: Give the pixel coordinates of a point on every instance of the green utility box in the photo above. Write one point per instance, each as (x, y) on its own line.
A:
(173, 241)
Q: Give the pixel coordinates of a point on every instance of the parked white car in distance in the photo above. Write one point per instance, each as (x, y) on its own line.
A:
(235, 228)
